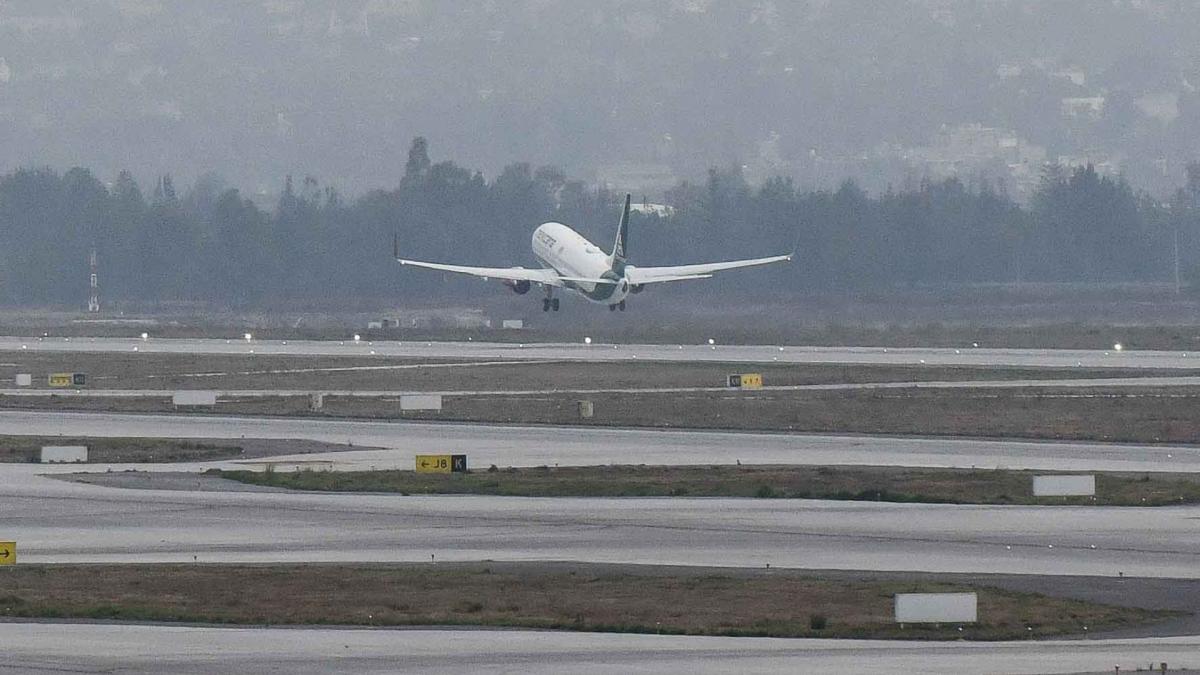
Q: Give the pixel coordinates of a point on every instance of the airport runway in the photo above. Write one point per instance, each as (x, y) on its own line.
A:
(1066, 383)
(57, 648)
(536, 446)
(964, 356)
(59, 521)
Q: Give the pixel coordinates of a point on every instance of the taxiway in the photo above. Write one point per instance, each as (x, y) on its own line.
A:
(57, 648)
(581, 351)
(393, 444)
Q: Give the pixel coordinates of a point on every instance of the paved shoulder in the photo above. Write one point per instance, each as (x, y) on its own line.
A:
(39, 647)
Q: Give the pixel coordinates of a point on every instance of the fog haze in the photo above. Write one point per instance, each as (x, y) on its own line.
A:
(633, 94)
(264, 154)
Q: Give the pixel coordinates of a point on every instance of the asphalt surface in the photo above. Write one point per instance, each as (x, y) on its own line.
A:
(62, 521)
(965, 356)
(65, 521)
(1100, 382)
(91, 648)
(536, 446)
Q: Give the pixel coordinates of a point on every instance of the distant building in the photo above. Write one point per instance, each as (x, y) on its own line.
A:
(1007, 71)
(630, 177)
(971, 151)
(647, 208)
(1103, 163)
(1074, 74)
(1085, 106)
(768, 162)
(1162, 106)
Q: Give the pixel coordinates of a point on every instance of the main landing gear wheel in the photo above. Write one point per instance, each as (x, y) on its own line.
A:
(612, 308)
(621, 306)
(546, 305)
(554, 304)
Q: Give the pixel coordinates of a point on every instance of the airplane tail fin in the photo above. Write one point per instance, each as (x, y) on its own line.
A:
(618, 253)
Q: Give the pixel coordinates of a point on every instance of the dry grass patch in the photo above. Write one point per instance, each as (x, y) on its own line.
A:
(119, 450)
(1125, 414)
(860, 483)
(143, 370)
(530, 595)
(1119, 414)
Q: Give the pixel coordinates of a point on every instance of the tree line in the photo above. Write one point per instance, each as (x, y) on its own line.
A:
(211, 245)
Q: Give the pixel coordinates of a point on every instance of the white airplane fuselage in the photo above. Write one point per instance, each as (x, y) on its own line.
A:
(572, 255)
(572, 262)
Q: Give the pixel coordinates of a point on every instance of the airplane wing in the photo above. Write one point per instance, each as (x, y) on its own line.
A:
(545, 275)
(538, 276)
(654, 275)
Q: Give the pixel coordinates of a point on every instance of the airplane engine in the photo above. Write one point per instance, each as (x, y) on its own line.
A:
(519, 287)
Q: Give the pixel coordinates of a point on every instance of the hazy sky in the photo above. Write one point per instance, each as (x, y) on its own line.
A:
(254, 90)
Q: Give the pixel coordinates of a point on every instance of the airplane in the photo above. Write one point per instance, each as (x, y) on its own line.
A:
(576, 264)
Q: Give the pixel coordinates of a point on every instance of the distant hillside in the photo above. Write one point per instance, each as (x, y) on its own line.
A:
(632, 92)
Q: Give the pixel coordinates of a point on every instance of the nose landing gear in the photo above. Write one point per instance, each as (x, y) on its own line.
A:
(620, 305)
(550, 302)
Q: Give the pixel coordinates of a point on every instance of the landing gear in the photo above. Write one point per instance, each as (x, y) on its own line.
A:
(554, 304)
(612, 308)
(546, 305)
(621, 306)
(550, 302)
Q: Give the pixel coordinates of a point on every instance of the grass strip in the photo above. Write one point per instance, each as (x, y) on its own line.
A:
(1145, 414)
(1118, 414)
(119, 450)
(783, 603)
(170, 371)
(860, 483)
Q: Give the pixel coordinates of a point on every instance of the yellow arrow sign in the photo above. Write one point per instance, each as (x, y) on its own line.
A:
(433, 464)
(441, 464)
(8, 553)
